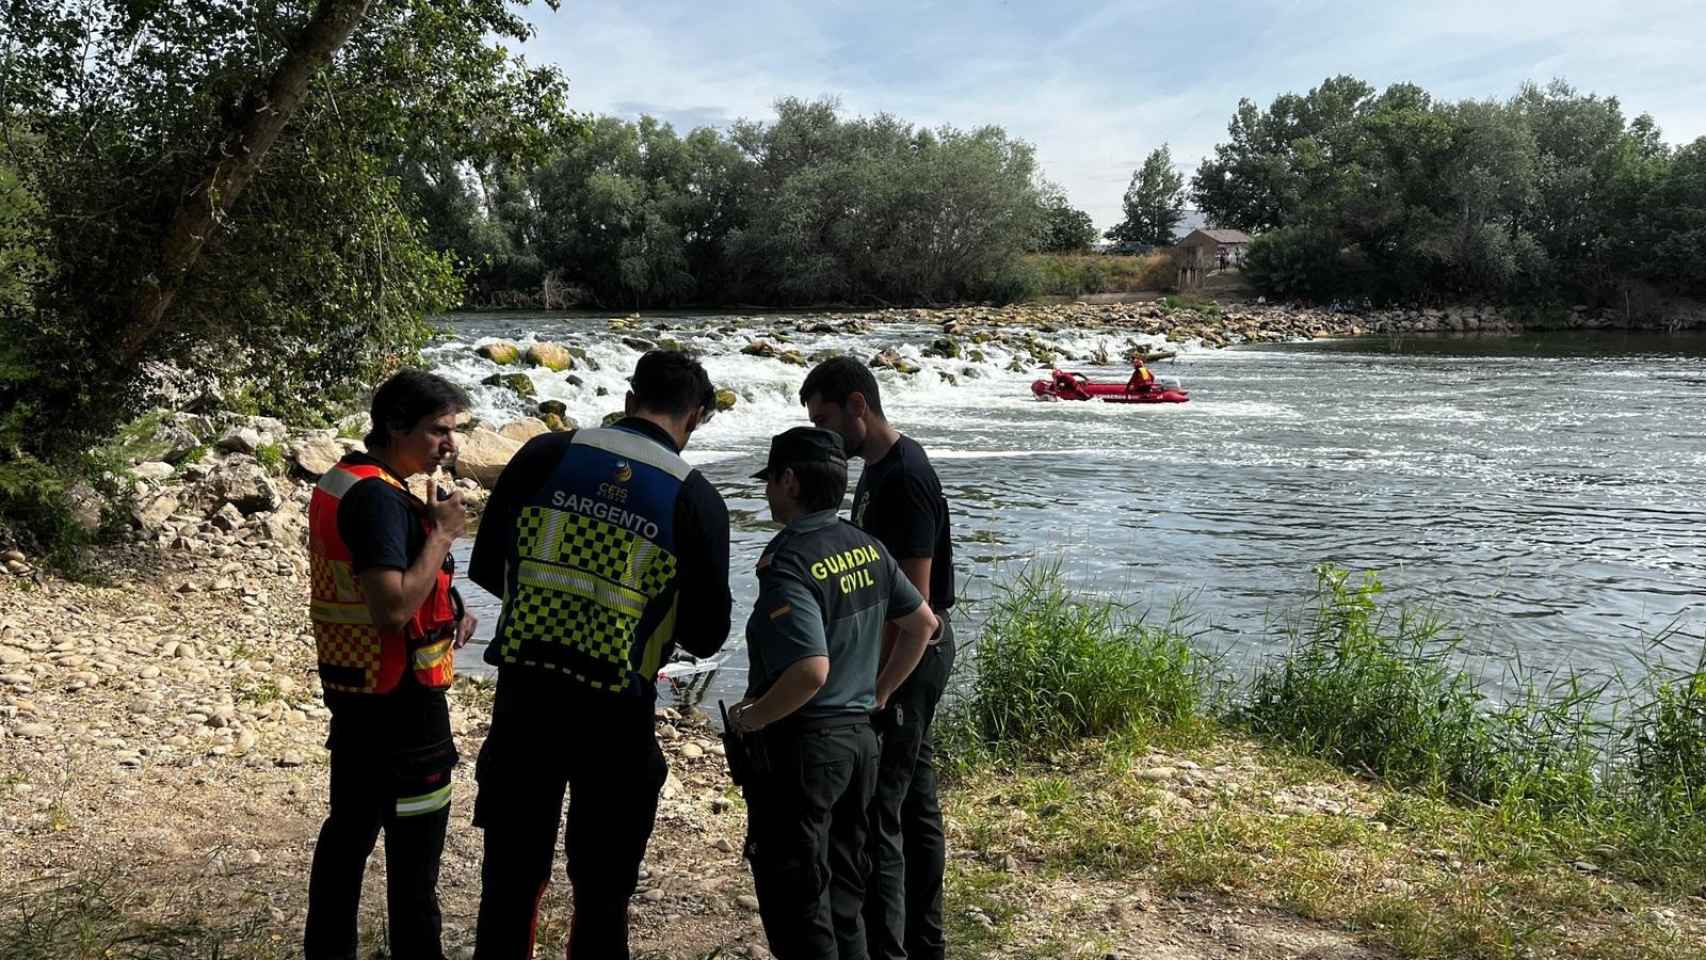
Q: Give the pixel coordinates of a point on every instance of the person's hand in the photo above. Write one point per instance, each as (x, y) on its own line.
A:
(742, 719)
(448, 516)
(465, 629)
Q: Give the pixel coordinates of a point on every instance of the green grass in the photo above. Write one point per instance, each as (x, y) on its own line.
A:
(1072, 275)
(1054, 668)
(1190, 301)
(85, 920)
(1560, 771)
(271, 456)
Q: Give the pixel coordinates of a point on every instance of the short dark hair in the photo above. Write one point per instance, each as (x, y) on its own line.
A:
(673, 383)
(823, 483)
(834, 379)
(401, 402)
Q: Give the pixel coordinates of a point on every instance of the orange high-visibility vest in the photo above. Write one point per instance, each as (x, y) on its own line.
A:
(356, 655)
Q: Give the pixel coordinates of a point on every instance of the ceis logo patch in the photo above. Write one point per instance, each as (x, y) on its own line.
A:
(624, 472)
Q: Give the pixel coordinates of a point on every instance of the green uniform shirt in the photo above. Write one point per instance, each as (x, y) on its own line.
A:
(825, 589)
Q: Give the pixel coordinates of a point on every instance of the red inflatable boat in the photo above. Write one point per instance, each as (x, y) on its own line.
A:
(1075, 386)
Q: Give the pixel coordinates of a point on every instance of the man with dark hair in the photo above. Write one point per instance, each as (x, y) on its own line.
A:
(386, 623)
(608, 549)
(825, 590)
(899, 501)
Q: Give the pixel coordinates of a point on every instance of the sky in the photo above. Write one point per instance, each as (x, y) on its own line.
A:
(1096, 86)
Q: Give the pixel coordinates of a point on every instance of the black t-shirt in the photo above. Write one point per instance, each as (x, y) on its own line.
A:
(899, 501)
(701, 541)
(381, 526)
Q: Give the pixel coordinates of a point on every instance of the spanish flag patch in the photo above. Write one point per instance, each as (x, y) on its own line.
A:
(781, 611)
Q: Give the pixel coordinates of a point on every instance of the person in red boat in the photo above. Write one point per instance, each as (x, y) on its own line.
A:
(1142, 379)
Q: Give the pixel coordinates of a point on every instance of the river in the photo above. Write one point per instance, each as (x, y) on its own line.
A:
(1543, 492)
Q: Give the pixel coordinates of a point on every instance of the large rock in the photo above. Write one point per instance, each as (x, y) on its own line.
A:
(518, 383)
(726, 399)
(315, 457)
(153, 470)
(559, 424)
(483, 454)
(501, 352)
(892, 359)
(945, 347)
(552, 356)
(152, 512)
(240, 439)
(524, 429)
(244, 483)
(173, 441)
(287, 524)
(548, 407)
(88, 506)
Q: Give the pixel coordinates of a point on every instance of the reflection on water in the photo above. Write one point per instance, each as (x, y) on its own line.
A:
(1542, 491)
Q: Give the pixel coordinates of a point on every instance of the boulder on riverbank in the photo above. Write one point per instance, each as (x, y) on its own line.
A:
(482, 455)
(519, 384)
(501, 352)
(552, 356)
(891, 359)
(524, 429)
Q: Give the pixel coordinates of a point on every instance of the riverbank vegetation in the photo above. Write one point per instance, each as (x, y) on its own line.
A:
(1559, 818)
(1071, 275)
(1397, 196)
(811, 207)
(203, 206)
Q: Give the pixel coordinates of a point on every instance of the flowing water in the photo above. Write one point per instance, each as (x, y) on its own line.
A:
(1543, 492)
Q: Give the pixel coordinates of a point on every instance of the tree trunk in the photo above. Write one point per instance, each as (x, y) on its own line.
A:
(239, 157)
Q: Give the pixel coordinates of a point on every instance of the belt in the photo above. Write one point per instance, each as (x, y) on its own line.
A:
(813, 724)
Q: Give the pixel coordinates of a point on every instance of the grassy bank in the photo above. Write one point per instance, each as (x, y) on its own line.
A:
(1108, 790)
(1071, 275)
(1365, 778)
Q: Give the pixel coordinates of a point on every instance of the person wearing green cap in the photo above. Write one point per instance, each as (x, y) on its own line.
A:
(825, 591)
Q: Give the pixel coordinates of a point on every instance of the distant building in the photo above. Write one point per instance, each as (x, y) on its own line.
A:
(1209, 248)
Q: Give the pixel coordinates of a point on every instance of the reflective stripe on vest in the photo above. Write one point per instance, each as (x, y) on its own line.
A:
(355, 655)
(592, 571)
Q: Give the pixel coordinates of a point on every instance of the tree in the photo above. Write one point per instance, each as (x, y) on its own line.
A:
(221, 193)
(1154, 202)
(1065, 229)
(1399, 197)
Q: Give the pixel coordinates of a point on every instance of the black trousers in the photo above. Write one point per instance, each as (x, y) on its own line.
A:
(605, 753)
(806, 839)
(404, 795)
(903, 910)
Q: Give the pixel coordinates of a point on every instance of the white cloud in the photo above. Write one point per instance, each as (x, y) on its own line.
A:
(1097, 85)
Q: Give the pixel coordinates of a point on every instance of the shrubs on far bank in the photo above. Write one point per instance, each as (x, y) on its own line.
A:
(1073, 275)
(1378, 688)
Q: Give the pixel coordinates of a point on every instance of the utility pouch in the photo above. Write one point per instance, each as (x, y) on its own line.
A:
(747, 757)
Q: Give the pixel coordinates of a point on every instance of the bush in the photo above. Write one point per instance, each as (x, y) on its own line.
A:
(1386, 694)
(1064, 275)
(35, 511)
(1052, 668)
(1300, 263)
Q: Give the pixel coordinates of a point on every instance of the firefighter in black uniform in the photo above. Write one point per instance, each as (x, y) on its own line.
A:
(385, 630)
(608, 549)
(899, 501)
(826, 589)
